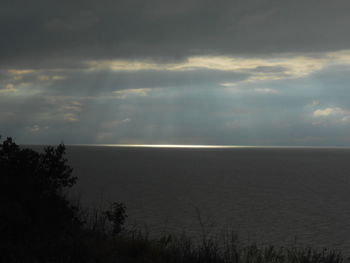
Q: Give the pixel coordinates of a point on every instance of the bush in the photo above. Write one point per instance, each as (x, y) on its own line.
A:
(116, 216)
(34, 210)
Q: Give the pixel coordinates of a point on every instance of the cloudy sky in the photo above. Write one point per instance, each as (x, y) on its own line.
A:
(238, 72)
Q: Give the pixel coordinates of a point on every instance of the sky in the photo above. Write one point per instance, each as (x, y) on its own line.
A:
(238, 72)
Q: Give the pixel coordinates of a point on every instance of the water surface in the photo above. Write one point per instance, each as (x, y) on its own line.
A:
(268, 195)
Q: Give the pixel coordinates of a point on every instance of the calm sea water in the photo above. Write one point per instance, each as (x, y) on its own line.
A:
(269, 195)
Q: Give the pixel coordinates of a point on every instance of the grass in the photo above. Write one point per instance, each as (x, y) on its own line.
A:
(136, 246)
(97, 243)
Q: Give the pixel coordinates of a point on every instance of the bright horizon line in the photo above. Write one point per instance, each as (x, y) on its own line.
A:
(203, 146)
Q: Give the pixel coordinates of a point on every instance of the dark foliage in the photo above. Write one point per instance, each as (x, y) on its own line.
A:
(116, 215)
(35, 216)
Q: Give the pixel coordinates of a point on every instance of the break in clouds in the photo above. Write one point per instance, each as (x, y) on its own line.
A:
(176, 72)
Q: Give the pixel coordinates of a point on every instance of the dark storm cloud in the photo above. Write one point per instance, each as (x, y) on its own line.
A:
(65, 32)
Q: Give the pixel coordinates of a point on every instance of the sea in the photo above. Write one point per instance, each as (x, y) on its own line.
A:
(280, 196)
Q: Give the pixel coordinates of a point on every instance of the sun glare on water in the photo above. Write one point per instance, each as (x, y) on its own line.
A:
(196, 146)
(173, 146)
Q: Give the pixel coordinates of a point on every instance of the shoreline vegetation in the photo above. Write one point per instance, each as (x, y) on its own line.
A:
(38, 223)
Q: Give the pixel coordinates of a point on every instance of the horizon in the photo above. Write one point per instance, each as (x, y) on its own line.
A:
(188, 146)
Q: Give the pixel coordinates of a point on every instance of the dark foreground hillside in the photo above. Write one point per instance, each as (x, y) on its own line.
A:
(39, 224)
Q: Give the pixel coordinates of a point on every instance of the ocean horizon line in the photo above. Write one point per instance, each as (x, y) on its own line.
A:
(210, 146)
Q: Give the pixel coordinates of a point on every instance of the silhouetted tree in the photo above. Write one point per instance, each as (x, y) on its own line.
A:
(117, 215)
(33, 206)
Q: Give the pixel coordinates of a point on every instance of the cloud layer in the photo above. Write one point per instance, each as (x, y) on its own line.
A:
(46, 32)
(257, 72)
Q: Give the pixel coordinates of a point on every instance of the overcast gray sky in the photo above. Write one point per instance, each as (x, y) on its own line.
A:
(238, 72)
